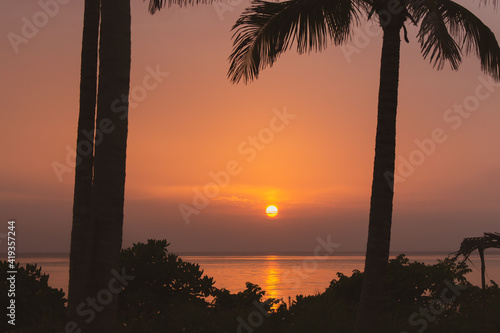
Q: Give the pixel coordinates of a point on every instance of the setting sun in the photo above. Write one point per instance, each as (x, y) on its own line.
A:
(272, 211)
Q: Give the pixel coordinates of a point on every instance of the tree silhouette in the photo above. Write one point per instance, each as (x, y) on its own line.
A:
(471, 244)
(446, 31)
(97, 227)
(82, 230)
(100, 163)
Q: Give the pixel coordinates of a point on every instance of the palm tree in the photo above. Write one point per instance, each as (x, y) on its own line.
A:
(99, 166)
(100, 169)
(108, 188)
(82, 231)
(96, 235)
(471, 244)
(446, 31)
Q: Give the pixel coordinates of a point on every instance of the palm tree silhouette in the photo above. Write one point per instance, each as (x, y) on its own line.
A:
(446, 31)
(100, 166)
(82, 229)
(96, 235)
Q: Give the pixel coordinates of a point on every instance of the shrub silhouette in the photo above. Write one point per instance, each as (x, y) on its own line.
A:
(39, 307)
(168, 294)
(411, 286)
(163, 285)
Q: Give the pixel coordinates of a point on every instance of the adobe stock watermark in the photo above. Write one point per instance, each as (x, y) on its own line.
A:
(249, 148)
(308, 266)
(226, 6)
(427, 314)
(138, 93)
(454, 117)
(361, 40)
(254, 320)
(31, 26)
(104, 297)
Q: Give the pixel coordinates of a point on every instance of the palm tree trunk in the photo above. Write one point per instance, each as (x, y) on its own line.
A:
(110, 153)
(82, 231)
(379, 233)
(483, 285)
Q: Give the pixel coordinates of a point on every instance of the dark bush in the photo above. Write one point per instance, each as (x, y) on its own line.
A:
(38, 307)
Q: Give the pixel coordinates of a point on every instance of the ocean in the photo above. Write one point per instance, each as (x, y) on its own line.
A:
(280, 275)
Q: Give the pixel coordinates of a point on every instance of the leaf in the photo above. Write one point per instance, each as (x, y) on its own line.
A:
(267, 29)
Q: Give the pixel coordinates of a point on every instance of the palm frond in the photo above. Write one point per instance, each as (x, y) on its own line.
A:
(493, 3)
(434, 37)
(475, 37)
(448, 29)
(267, 29)
(156, 5)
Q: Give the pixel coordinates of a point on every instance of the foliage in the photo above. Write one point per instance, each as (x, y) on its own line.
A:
(225, 300)
(171, 295)
(168, 294)
(38, 307)
(163, 283)
(266, 29)
(414, 291)
(412, 287)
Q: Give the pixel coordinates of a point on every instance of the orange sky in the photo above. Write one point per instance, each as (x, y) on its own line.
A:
(316, 167)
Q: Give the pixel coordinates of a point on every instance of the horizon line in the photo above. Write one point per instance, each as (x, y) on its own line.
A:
(257, 253)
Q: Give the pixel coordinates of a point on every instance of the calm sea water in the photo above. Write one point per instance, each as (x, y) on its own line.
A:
(281, 276)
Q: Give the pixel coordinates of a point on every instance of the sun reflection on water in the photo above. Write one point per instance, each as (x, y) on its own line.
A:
(273, 278)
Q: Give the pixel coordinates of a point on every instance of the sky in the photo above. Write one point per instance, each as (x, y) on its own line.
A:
(206, 157)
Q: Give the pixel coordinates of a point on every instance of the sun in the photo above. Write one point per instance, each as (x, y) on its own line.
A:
(272, 211)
